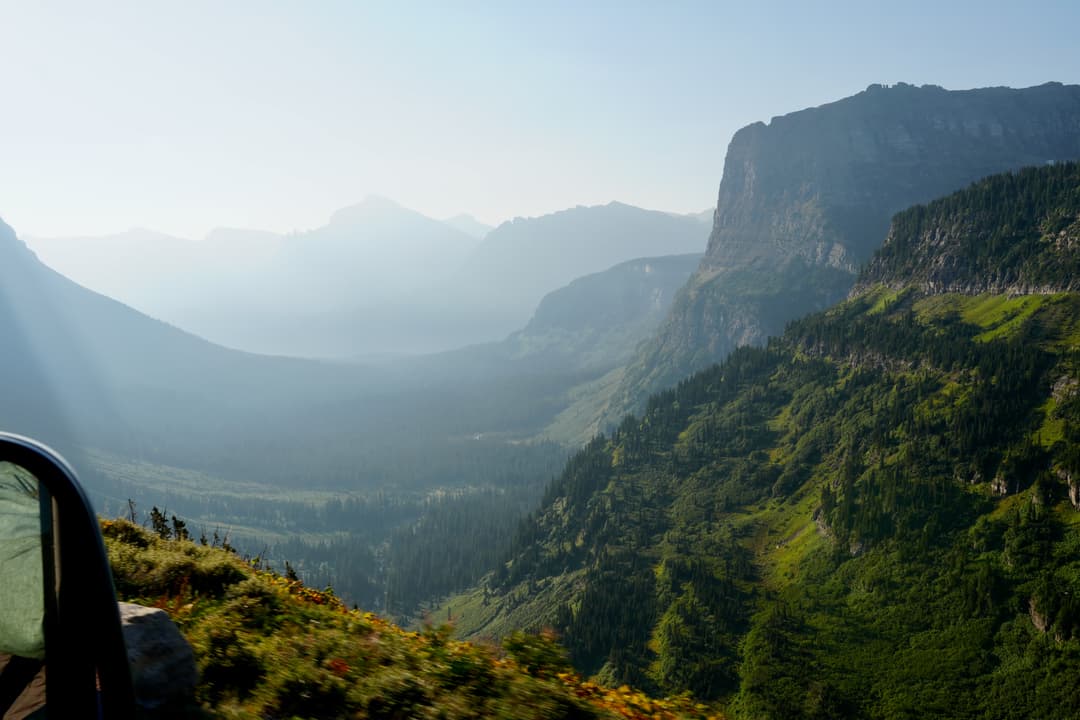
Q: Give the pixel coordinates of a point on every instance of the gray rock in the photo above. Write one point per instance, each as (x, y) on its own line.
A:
(806, 199)
(162, 663)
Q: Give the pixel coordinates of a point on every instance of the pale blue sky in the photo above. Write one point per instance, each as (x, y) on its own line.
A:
(183, 116)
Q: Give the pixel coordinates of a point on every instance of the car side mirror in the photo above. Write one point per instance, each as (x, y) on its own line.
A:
(62, 651)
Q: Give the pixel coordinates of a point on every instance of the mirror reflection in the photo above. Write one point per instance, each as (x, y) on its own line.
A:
(24, 534)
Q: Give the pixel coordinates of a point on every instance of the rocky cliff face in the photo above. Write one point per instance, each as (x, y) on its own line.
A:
(807, 198)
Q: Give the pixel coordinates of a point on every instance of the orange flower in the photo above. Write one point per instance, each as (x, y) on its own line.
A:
(338, 666)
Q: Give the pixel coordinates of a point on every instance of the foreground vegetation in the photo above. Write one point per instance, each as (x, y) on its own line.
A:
(267, 646)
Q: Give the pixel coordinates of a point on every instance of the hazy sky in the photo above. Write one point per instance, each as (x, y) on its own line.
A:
(182, 116)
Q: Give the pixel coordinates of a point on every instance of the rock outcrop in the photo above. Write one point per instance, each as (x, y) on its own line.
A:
(806, 199)
(162, 663)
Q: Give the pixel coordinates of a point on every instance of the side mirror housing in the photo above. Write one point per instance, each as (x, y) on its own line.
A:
(58, 609)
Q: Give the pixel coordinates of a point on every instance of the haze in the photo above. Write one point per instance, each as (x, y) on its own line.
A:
(182, 117)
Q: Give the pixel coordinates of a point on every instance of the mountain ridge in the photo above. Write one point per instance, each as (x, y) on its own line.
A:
(1014, 233)
(524, 258)
(376, 278)
(805, 200)
(887, 493)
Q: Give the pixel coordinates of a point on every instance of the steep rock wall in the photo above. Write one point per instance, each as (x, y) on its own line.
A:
(806, 199)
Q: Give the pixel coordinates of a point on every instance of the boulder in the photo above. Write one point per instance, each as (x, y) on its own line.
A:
(162, 663)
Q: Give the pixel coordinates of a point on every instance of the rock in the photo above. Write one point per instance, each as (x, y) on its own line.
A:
(1065, 388)
(1073, 484)
(1038, 619)
(806, 199)
(162, 663)
(999, 485)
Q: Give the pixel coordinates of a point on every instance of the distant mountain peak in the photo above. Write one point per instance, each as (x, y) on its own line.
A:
(10, 242)
(379, 202)
(225, 234)
(370, 206)
(469, 225)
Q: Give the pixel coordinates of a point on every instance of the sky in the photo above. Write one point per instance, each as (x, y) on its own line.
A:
(185, 116)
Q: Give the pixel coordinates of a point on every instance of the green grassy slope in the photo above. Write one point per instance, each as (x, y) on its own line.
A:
(269, 647)
(874, 516)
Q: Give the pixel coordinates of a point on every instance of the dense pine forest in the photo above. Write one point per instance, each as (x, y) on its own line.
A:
(876, 515)
(1014, 232)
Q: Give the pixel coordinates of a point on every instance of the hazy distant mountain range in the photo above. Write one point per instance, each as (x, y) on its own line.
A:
(522, 260)
(79, 369)
(585, 328)
(469, 225)
(377, 278)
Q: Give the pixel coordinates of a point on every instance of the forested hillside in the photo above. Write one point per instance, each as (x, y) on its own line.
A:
(1011, 233)
(875, 515)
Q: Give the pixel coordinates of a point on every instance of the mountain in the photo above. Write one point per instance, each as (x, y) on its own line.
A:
(118, 379)
(806, 199)
(705, 217)
(595, 322)
(139, 267)
(577, 340)
(371, 252)
(1014, 234)
(144, 399)
(351, 286)
(358, 285)
(80, 370)
(887, 494)
(469, 225)
(335, 457)
(521, 260)
(376, 279)
(600, 318)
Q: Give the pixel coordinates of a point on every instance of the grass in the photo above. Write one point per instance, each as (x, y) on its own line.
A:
(474, 616)
(1007, 504)
(581, 418)
(197, 483)
(998, 315)
(267, 646)
(1052, 428)
(785, 534)
(210, 503)
(883, 298)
